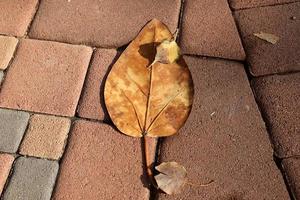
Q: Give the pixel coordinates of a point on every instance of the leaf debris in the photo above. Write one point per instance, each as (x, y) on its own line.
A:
(271, 38)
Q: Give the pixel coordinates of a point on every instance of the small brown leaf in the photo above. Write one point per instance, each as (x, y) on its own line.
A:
(273, 39)
(172, 177)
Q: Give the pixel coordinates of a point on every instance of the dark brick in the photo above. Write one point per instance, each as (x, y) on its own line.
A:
(208, 29)
(278, 97)
(266, 58)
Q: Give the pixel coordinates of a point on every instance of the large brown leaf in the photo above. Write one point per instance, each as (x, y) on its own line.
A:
(149, 98)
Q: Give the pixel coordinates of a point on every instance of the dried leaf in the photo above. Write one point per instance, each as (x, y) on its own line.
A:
(149, 93)
(172, 177)
(273, 39)
(167, 52)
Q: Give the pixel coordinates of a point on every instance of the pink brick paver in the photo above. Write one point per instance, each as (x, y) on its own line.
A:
(7, 49)
(278, 97)
(291, 167)
(110, 23)
(46, 77)
(16, 15)
(239, 4)
(45, 136)
(282, 21)
(224, 139)
(208, 29)
(92, 102)
(100, 163)
(6, 161)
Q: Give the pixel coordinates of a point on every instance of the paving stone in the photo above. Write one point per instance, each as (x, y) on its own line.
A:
(92, 103)
(224, 139)
(278, 97)
(45, 136)
(240, 4)
(100, 163)
(209, 29)
(264, 57)
(32, 179)
(6, 162)
(7, 48)
(47, 80)
(110, 23)
(12, 128)
(16, 15)
(291, 167)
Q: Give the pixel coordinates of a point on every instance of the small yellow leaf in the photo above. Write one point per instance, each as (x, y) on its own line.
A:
(172, 177)
(273, 39)
(167, 52)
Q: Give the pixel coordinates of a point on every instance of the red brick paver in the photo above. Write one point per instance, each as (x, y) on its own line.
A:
(291, 167)
(278, 97)
(16, 15)
(239, 4)
(224, 139)
(7, 49)
(208, 29)
(92, 102)
(282, 21)
(6, 162)
(45, 136)
(100, 163)
(110, 23)
(49, 79)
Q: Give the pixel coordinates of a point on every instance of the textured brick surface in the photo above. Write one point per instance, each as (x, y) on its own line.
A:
(7, 48)
(100, 163)
(278, 97)
(110, 23)
(32, 179)
(238, 4)
(12, 128)
(224, 139)
(291, 167)
(15, 16)
(49, 79)
(264, 57)
(92, 102)
(45, 136)
(208, 29)
(6, 162)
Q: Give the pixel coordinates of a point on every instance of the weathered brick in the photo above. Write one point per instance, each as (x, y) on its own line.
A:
(264, 57)
(240, 4)
(12, 128)
(100, 163)
(6, 162)
(16, 15)
(32, 179)
(7, 49)
(278, 96)
(49, 79)
(208, 29)
(45, 136)
(92, 104)
(224, 139)
(110, 23)
(291, 167)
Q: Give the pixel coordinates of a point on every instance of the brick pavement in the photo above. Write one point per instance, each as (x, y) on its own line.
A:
(56, 139)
